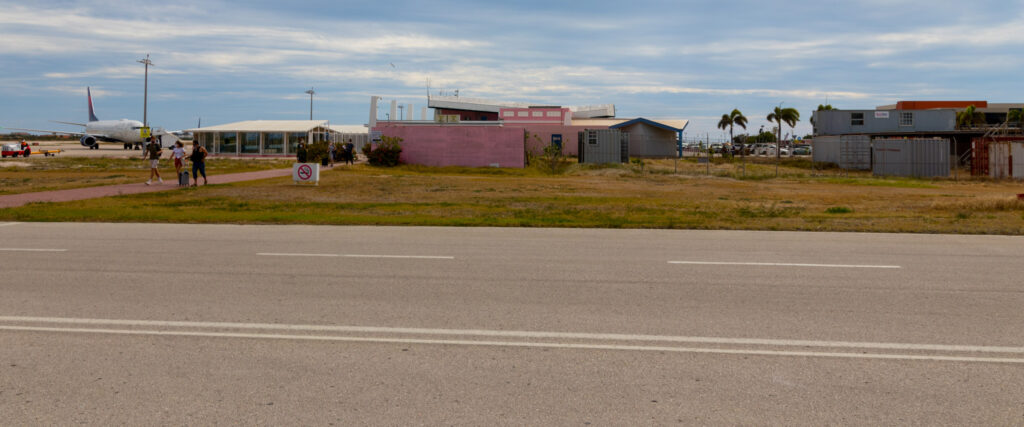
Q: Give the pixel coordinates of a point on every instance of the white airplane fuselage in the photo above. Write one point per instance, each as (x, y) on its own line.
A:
(123, 130)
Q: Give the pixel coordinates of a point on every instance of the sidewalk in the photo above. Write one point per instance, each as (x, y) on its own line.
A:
(15, 200)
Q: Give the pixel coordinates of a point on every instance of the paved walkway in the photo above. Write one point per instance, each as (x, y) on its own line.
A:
(15, 200)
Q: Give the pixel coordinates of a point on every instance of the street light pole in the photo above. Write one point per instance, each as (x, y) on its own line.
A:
(310, 92)
(145, 92)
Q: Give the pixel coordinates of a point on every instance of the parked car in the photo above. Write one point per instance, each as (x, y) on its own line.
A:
(801, 150)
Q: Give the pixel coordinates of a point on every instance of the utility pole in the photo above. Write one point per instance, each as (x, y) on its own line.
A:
(310, 92)
(145, 91)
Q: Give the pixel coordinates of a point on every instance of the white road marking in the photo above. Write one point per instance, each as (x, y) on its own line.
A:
(5, 224)
(31, 250)
(782, 264)
(515, 334)
(938, 358)
(354, 255)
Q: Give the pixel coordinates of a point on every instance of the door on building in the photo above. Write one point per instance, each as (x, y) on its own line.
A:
(556, 140)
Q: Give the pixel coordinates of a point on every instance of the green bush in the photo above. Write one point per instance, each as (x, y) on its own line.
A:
(838, 210)
(386, 153)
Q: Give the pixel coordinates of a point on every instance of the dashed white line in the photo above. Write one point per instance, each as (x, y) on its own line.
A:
(31, 250)
(783, 264)
(354, 256)
(916, 357)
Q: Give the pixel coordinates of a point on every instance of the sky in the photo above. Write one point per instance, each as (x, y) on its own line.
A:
(221, 61)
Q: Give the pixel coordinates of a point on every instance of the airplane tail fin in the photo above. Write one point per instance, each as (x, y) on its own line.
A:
(92, 114)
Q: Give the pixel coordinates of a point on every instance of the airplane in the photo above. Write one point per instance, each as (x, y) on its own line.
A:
(124, 131)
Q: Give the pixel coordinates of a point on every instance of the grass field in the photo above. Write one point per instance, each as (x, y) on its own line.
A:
(653, 195)
(20, 175)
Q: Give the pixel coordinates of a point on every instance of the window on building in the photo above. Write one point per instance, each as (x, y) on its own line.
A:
(228, 143)
(592, 138)
(523, 114)
(538, 114)
(273, 143)
(554, 114)
(250, 143)
(508, 113)
(906, 118)
(294, 139)
(857, 119)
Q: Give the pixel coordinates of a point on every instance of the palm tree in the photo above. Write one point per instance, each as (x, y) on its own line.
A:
(969, 118)
(1016, 116)
(734, 118)
(779, 115)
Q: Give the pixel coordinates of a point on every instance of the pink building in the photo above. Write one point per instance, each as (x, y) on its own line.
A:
(519, 129)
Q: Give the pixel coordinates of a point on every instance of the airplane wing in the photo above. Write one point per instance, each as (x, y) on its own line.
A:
(46, 131)
(100, 137)
(68, 123)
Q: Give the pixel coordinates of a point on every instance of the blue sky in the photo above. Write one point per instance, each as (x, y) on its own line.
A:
(229, 61)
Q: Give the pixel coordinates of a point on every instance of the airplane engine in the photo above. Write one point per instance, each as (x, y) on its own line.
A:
(88, 141)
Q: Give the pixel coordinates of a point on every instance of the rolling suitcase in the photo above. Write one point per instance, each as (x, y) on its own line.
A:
(183, 179)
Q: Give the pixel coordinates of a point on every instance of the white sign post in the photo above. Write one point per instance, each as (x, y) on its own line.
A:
(306, 173)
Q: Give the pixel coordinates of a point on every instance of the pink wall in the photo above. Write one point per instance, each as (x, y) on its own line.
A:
(454, 145)
(569, 136)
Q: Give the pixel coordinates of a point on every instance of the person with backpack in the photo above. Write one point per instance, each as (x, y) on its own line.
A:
(198, 159)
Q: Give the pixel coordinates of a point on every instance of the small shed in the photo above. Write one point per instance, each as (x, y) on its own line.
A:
(653, 138)
(603, 146)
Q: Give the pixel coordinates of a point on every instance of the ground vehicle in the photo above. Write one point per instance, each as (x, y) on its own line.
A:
(801, 150)
(15, 150)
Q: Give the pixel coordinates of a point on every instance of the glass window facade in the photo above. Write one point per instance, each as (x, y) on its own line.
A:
(228, 143)
(294, 139)
(273, 143)
(250, 142)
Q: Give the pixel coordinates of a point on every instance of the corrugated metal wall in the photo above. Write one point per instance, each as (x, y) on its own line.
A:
(919, 157)
(855, 152)
(602, 146)
(825, 149)
(1006, 159)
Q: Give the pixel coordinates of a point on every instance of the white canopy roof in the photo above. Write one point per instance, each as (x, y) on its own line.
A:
(265, 126)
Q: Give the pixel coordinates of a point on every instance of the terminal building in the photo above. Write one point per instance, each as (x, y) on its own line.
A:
(273, 137)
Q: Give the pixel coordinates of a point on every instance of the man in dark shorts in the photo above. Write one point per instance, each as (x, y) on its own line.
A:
(153, 152)
(198, 159)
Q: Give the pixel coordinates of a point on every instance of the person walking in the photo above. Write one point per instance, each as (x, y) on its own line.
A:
(332, 151)
(153, 153)
(300, 153)
(178, 154)
(350, 152)
(198, 159)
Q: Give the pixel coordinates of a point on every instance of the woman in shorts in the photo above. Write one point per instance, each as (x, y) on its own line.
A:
(178, 154)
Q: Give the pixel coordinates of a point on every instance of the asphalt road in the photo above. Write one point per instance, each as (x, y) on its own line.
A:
(196, 324)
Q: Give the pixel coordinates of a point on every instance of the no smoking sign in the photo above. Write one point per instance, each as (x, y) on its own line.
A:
(306, 172)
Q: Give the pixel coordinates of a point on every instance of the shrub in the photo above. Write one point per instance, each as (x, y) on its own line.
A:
(316, 151)
(386, 153)
(838, 210)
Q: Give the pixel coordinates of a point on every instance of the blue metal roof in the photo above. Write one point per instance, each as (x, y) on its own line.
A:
(647, 122)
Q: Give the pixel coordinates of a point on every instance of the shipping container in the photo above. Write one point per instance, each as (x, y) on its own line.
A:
(855, 152)
(603, 146)
(1006, 159)
(918, 157)
(825, 149)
